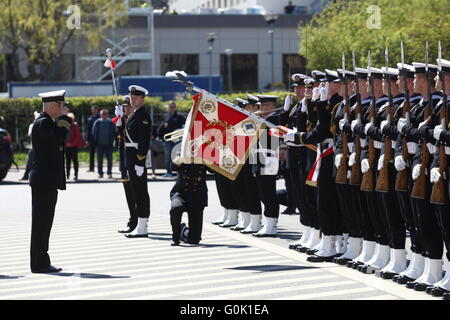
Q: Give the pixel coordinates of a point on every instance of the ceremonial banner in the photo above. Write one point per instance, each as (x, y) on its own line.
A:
(219, 136)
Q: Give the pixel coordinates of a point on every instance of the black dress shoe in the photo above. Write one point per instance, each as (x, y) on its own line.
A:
(145, 235)
(130, 229)
(388, 275)
(294, 246)
(446, 296)
(288, 211)
(439, 292)
(342, 261)
(310, 252)
(404, 280)
(421, 286)
(410, 284)
(315, 258)
(429, 289)
(174, 243)
(395, 278)
(236, 228)
(49, 269)
(302, 249)
(356, 265)
(217, 222)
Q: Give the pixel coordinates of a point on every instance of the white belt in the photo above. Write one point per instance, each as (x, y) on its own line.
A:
(131, 145)
(377, 144)
(291, 144)
(393, 144)
(363, 142)
(447, 151)
(431, 148)
(412, 147)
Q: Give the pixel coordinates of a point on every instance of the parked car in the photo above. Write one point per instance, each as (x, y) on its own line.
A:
(6, 153)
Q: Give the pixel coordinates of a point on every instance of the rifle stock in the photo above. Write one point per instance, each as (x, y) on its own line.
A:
(367, 183)
(401, 183)
(356, 177)
(438, 190)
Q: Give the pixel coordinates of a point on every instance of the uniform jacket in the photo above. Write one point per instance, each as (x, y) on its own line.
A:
(47, 138)
(258, 163)
(191, 185)
(139, 128)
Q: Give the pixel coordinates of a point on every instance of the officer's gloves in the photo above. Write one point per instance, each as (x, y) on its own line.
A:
(399, 163)
(290, 135)
(383, 124)
(416, 172)
(304, 106)
(342, 123)
(315, 94)
(352, 159)
(401, 123)
(287, 102)
(365, 166)
(437, 132)
(367, 127)
(139, 170)
(337, 160)
(324, 93)
(353, 125)
(435, 175)
(381, 162)
(118, 111)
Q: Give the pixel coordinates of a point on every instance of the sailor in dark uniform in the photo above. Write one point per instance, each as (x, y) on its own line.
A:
(189, 194)
(47, 175)
(138, 130)
(122, 113)
(423, 210)
(442, 136)
(321, 175)
(265, 168)
(406, 72)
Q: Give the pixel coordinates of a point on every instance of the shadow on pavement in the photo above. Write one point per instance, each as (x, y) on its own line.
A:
(270, 268)
(2, 277)
(88, 275)
(214, 245)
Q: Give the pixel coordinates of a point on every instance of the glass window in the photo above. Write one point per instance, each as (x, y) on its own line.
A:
(292, 63)
(244, 72)
(188, 63)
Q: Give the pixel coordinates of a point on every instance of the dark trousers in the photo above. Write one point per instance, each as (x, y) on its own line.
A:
(139, 189)
(243, 189)
(443, 218)
(91, 156)
(101, 152)
(30, 159)
(43, 201)
(132, 206)
(428, 228)
(327, 202)
(195, 223)
(293, 186)
(346, 208)
(361, 213)
(168, 146)
(267, 190)
(308, 194)
(289, 194)
(72, 156)
(225, 192)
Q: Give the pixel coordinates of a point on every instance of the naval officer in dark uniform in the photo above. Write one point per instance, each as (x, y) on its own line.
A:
(138, 130)
(47, 175)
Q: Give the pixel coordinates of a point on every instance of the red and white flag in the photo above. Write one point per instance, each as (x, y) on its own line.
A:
(110, 64)
(219, 136)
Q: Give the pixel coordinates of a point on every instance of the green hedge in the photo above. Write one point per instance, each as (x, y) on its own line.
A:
(17, 113)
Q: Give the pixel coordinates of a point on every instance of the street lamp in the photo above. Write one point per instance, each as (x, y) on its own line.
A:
(271, 18)
(211, 38)
(228, 53)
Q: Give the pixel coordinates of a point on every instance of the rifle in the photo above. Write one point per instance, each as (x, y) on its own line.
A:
(383, 177)
(438, 191)
(355, 178)
(367, 183)
(401, 183)
(341, 175)
(418, 191)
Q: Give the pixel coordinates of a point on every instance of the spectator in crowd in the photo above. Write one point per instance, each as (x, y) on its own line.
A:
(90, 139)
(289, 8)
(73, 142)
(173, 121)
(30, 153)
(104, 134)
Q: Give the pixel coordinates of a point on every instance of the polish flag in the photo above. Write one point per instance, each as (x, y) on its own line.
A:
(110, 64)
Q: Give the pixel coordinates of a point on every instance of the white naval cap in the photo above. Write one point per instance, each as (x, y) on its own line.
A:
(137, 90)
(332, 76)
(318, 76)
(445, 65)
(408, 69)
(361, 73)
(421, 67)
(375, 72)
(53, 96)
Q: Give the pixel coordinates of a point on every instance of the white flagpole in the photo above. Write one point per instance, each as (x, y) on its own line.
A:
(109, 55)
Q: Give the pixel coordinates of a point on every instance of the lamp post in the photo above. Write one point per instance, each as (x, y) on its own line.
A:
(229, 52)
(211, 38)
(271, 18)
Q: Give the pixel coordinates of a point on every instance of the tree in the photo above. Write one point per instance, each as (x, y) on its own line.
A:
(352, 25)
(37, 31)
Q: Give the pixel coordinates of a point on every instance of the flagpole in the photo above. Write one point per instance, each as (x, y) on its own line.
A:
(109, 55)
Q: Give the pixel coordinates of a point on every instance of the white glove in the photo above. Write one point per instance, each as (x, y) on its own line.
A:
(423, 123)
(365, 166)
(381, 162)
(139, 170)
(437, 132)
(118, 111)
(304, 106)
(383, 124)
(287, 102)
(354, 123)
(401, 123)
(352, 159)
(290, 135)
(416, 172)
(315, 94)
(366, 128)
(337, 160)
(435, 175)
(342, 123)
(399, 163)
(324, 93)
